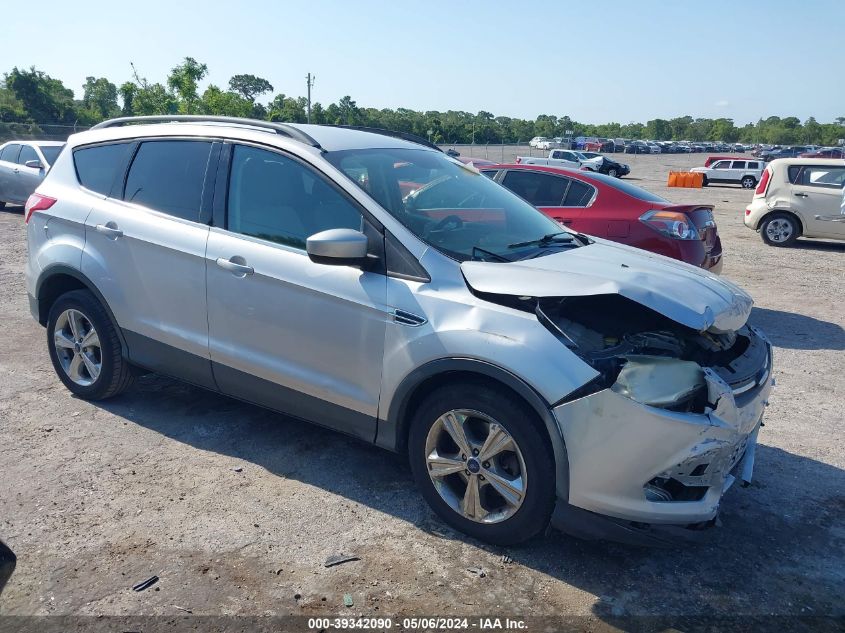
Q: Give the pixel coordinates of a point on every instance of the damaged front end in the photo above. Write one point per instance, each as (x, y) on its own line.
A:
(671, 420)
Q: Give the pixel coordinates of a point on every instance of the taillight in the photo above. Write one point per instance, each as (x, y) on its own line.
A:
(764, 182)
(672, 224)
(37, 202)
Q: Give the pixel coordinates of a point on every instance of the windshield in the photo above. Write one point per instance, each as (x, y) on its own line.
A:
(451, 206)
(51, 152)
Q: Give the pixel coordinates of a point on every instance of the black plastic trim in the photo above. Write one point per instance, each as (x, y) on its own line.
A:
(249, 388)
(61, 269)
(401, 263)
(392, 432)
(166, 359)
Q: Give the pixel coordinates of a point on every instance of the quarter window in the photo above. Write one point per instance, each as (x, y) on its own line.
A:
(578, 195)
(827, 176)
(168, 176)
(98, 166)
(753, 165)
(278, 199)
(541, 190)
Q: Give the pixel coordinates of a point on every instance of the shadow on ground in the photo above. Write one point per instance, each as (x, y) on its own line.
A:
(797, 331)
(767, 557)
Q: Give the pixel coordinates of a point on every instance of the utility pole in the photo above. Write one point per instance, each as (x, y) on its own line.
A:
(310, 80)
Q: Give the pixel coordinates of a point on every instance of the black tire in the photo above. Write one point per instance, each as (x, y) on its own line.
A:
(2, 205)
(613, 173)
(522, 423)
(768, 222)
(115, 374)
(748, 182)
(704, 181)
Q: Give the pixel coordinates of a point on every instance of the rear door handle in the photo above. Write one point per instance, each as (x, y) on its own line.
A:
(236, 265)
(802, 195)
(110, 229)
(564, 220)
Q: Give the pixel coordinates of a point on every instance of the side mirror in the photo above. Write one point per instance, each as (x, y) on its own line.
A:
(34, 164)
(337, 247)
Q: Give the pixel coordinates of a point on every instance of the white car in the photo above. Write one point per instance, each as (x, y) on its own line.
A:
(23, 165)
(654, 148)
(799, 197)
(535, 142)
(746, 173)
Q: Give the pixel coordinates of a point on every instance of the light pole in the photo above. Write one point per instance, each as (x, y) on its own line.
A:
(310, 81)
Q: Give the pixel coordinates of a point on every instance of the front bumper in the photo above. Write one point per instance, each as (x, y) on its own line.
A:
(616, 446)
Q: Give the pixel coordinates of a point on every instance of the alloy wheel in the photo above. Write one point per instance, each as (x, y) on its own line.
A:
(779, 230)
(476, 466)
(78, 347)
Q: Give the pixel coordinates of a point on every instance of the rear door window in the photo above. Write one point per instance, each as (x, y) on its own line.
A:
(738, 164)
(168, 176)
(10, 153)
(825, 176)
(27, 154)
(541, 190)
(98, 167)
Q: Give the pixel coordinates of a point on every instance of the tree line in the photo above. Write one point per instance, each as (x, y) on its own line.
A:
(31, 100)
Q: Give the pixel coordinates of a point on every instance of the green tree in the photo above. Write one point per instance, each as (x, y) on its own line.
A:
(348, 110)
(183, 81)
(128, 91)
(44, 99)
(100, 97)
(215, 101)
(250, 86)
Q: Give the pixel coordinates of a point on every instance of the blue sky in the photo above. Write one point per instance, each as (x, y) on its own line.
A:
(613, 60)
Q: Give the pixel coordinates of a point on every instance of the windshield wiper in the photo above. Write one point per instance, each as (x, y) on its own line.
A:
(478, 249)
(551, 238)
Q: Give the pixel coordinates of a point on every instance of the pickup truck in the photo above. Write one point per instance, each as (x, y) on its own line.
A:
(561, 158)
(578, 160)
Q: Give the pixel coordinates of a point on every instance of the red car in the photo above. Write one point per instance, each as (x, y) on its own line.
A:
(616, 210)
(832, 152)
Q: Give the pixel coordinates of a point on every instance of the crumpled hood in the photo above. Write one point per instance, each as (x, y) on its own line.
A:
(683, 293)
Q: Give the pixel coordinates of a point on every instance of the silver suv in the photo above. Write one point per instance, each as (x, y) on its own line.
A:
(370, 283)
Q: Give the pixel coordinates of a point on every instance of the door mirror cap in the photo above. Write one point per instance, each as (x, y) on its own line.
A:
(34, 164)
(337, 247)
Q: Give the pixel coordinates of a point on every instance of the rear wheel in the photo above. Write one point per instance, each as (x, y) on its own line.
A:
(780, 229)
(748, 182)
(483, 463)
(85, 348)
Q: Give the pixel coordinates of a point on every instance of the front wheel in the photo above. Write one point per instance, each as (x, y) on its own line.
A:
(704, 181)
(613, 173)
(780, 229)
(483, 462)
(85, 348)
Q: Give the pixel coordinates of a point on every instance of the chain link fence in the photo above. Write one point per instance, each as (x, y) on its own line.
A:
(496, 152)
(37, 131)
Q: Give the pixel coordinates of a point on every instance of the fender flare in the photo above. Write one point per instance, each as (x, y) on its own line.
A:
(392, 432)
(63, 269)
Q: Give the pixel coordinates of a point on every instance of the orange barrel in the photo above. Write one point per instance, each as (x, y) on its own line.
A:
(699, 180)
(673, 179)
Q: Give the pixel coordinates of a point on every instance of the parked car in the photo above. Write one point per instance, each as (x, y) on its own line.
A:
(712, 159)
(534, 142)
(608, 208)
(784, 152)
(637, 147)
(529, 373)
(556, 157)
(743, 172)
(654, 148)
(606, 165)
(23, 165)
(799, 197)
(825, 152)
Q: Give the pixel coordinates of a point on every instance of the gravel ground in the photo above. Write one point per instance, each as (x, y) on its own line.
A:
(236, 508)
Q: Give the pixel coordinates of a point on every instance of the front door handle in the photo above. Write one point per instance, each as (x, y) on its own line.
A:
(109, 229)
(236, 265)
(801, 195)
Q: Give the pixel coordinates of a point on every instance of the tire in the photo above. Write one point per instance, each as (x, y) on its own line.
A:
(748, 182)
(612, 172)
(79, 317)
(704, 181)
(780, 229)
(2, 205)
(483, 412)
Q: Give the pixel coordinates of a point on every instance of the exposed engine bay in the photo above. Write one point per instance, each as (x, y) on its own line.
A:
(646, 356)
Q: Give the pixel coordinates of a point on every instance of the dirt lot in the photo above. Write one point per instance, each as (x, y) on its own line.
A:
(236, 508)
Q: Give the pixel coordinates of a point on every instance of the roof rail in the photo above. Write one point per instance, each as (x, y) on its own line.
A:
(405, 136)
(279, 128)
